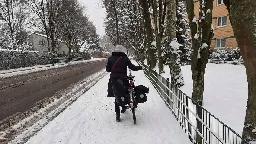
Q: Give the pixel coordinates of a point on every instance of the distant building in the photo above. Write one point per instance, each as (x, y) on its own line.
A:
(223, 31)
(39, 43)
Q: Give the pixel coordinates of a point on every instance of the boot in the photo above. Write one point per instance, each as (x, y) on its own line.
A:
(118, 118)
(117, 110)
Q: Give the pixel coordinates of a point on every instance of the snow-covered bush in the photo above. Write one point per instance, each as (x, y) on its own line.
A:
(11, 59)
(226, 56)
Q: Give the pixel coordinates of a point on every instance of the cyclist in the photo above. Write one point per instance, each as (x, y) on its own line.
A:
(117, 64)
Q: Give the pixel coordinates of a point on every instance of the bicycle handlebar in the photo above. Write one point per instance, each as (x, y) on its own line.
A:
(130, 77)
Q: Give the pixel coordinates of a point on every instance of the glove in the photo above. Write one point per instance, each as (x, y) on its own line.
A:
(140, 67)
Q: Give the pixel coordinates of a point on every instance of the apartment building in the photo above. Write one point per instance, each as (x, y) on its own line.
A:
(223, 31)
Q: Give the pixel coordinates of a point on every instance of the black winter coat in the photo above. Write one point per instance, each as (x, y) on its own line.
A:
(120, 69)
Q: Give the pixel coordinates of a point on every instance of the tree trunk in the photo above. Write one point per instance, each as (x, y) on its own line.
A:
(159, 54)
(201, 38)
(242, 16)
(201, 35)
(181, 31)
(249, 130)
(41, 13)
(69, 44)
(149, 33)
(162, 20)
(157, 16)
(172, 51)
(52, 26)
(116, 22)
(10, 18)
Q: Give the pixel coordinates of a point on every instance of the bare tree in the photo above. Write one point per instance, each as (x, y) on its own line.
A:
(46, 10)
(71, 24)
(14, 15)
(242, 16)
(7, 14)
(39, 8)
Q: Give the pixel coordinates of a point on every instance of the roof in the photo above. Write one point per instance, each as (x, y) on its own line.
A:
(42, 35)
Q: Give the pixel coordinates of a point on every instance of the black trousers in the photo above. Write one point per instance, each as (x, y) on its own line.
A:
(119, 87)
(117, 108)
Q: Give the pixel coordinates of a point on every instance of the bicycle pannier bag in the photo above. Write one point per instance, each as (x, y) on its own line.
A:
(141, 93)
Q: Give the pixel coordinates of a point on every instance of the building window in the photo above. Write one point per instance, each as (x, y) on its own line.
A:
(219, 2)
(222, 21)
(42, 42)
(220, 43)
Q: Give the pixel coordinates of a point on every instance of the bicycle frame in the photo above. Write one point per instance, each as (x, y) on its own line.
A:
(132, 102)
(131, 90)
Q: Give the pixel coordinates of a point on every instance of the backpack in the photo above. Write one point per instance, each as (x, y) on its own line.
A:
(141, 93)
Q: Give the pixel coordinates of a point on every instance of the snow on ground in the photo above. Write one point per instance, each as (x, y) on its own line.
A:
(91, 119)
(226, 92)
(26, 70)
(28, 126)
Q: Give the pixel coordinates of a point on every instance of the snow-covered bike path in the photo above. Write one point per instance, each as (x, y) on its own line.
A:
(91, 119)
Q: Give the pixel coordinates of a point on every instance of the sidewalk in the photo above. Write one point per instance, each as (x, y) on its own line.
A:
(91, 119)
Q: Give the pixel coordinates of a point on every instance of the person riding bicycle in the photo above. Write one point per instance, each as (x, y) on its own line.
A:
(117, 64)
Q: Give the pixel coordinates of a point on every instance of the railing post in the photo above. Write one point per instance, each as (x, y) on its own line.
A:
(156, 80)
(187, 114)
(163, 87)
(168, 92)
(198, 123)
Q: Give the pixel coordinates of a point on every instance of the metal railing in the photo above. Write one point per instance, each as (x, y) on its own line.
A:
(200, 125)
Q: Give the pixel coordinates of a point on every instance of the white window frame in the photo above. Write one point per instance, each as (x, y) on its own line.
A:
(221, 3)
(221, 17)
(216, 46)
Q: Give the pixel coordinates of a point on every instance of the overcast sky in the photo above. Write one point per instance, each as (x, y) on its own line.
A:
(96, 14)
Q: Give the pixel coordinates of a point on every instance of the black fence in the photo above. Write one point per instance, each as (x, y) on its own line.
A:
(200, 125)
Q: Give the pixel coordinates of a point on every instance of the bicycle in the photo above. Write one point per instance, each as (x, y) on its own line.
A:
(132, 103)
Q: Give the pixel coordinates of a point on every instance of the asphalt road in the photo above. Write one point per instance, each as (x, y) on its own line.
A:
(20, 93)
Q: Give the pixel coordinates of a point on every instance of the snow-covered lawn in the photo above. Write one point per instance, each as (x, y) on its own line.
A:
(91, 119)
(26, 70)
(226, 92)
